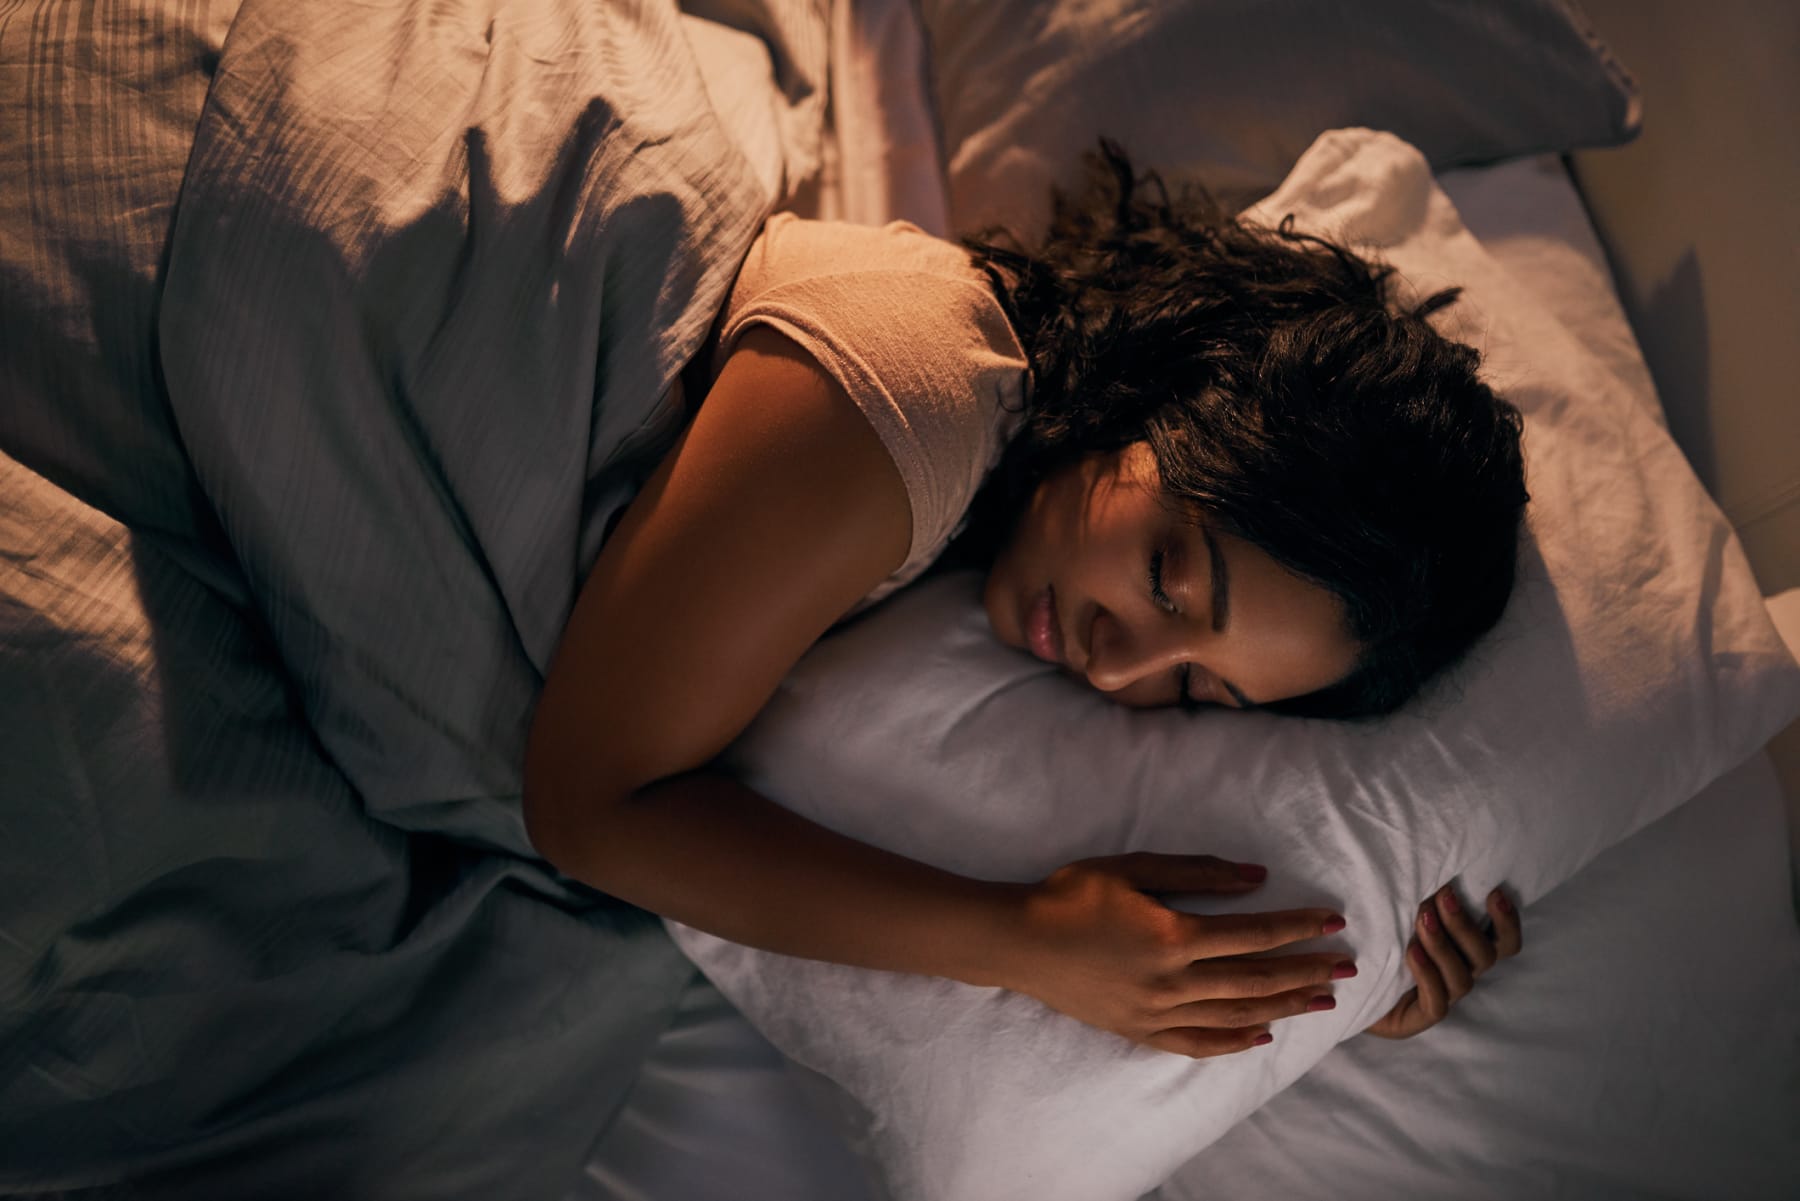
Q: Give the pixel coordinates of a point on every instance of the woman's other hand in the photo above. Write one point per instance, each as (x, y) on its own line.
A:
(1100, 948)
(1447, 953)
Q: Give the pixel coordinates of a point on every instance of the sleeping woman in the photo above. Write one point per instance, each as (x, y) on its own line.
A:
(1203, 464)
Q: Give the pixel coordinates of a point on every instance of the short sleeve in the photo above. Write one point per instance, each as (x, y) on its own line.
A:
(911, 330)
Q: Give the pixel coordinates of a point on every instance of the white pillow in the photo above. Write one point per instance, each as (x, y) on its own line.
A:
(1233, 90)
(1635, 664)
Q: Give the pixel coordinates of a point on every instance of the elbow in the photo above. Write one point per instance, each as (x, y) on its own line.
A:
(545, 823)
(543, 826)
(566, 804)
(574, 786)
(560, 814)
(545, 791)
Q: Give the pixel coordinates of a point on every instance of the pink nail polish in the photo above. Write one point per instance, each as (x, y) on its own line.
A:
(1343, 971)
(1430, 922)
(1451, 903)
(1262, 1040)
(1256, 873)
(1501, 900)
(1333, 924)
(1321, 1004)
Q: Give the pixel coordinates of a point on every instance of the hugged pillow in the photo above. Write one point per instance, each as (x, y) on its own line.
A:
(1231, 91)
(1635, 664)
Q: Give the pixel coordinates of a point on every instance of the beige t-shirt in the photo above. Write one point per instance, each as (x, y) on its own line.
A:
(912, 331)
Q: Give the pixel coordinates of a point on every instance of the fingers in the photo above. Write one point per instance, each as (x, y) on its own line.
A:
(1228, 979)
(1247, 933)
(1188, 873)
(1433, 1000)
(1448, 950)
(1240, 1006)
(1508, 937)
(1232, 998)
(1444, 955)
(1248, 994)
(1252, 1011)
(1477, 948)
(1200, 1043)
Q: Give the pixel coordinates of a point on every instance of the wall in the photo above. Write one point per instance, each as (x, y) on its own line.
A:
(1701, 216)
(1701, 219)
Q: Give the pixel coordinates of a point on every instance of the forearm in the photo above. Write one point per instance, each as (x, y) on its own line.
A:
(709, 852)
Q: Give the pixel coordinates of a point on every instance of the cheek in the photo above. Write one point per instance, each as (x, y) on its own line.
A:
(1312, 655)
(1009, 567)
(1016, 571)
(1034, 537)
(1323, 640)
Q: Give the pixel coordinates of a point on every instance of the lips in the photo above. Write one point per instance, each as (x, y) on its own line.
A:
(1042, 633)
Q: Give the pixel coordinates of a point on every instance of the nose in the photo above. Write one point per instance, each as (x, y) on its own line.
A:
(1123, 651)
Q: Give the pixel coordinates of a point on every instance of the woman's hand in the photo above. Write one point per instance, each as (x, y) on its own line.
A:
(1099, 948)
(1446, 955)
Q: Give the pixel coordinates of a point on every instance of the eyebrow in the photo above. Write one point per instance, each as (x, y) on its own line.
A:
(1221, 609)
(1221, 584)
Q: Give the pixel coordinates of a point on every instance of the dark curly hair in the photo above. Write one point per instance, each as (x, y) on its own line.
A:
(1287, 401)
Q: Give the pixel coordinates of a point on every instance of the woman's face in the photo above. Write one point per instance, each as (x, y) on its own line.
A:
(1103, 578)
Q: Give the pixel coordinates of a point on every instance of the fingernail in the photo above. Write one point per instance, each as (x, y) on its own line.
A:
(1334, 923)
(1262, 1040)
(1416, 952)
(1450, 902)
(1501, 900)
(1430, 921)
(1343, 971)
(1256, 873)
(1321, 1004)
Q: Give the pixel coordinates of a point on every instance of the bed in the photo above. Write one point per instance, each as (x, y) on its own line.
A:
(1637, 1050)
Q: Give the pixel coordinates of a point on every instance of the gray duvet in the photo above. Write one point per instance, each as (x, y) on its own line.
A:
(314, 403)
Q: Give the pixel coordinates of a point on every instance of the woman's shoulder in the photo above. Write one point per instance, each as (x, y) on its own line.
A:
(792, 249)
(912, 330)
(890, 307)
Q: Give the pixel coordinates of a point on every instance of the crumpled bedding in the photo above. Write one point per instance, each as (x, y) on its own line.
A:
(268, 924)
(427, 303)
(220, 978)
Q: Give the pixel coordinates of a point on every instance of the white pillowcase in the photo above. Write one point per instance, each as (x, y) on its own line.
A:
(1234, 90)
(1635, 664)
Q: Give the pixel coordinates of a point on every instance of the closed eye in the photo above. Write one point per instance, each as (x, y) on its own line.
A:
(1160, 594)
(1157, 592)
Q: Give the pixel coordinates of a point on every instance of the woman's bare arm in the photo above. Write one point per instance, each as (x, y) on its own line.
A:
(777, 510)
(775, 513)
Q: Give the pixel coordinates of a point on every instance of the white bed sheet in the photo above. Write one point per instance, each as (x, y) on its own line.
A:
(1655, 1032)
